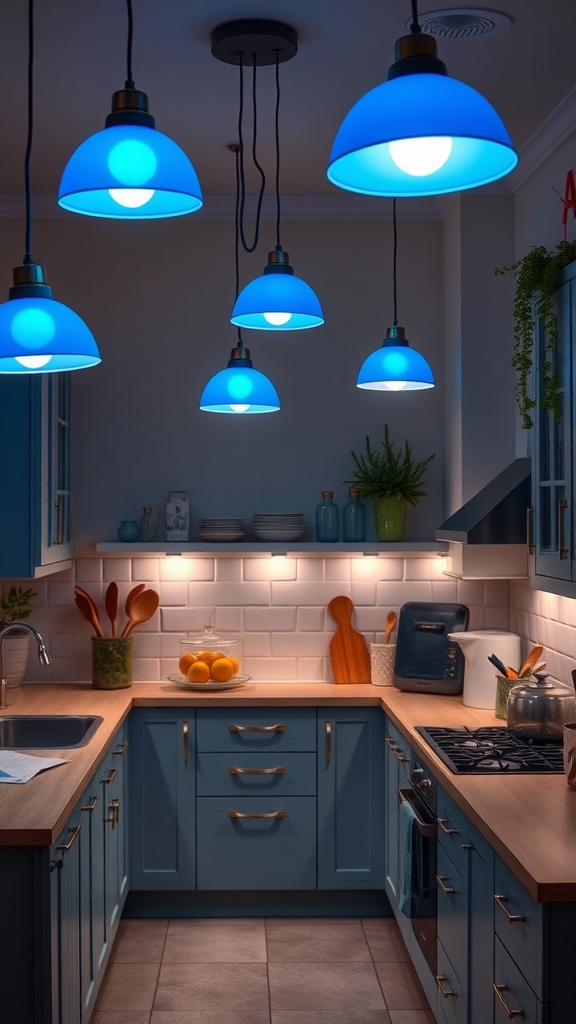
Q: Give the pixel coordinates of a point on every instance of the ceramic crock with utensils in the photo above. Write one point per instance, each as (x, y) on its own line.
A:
(382, 656)
(539, 707)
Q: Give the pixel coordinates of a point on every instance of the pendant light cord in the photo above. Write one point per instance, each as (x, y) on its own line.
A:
(129, 83)
(237, 235)
(240, 216)
(277, 135)
(394, 260)
(28, 255)
(415, 24)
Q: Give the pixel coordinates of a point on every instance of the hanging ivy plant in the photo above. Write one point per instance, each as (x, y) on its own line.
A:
(537, 279)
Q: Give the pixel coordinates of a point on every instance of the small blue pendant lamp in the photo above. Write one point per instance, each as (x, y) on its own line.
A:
(129, 170)
(38, 334)
(278, 300)
(395, 366)
(420, 133)
(239, 388)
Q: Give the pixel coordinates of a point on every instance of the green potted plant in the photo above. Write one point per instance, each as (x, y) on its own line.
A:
(15, 606)
(392, 478)
(537, 277)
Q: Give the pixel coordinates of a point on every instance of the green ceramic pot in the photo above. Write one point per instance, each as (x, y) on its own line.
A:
(111, 662)
(390, 518)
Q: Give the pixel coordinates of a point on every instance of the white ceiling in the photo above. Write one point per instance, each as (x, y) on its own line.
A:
(345, 48)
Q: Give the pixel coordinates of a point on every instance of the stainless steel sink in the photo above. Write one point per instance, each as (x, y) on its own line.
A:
(59, 731)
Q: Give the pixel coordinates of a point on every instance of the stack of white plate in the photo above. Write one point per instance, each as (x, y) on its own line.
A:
(219, 529)
(278, 525)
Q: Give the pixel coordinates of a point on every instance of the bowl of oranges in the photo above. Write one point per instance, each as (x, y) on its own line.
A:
(209, 660)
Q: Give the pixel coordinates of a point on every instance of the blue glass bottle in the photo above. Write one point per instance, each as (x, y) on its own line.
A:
(327, 519)
(354, 517)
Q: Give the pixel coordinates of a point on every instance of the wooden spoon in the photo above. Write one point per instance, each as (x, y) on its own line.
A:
(88, 609)
(111, 603)
(391, 619)
(142, 608)
(530, 661)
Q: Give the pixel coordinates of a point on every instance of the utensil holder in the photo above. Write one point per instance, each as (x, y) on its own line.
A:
(503, 687)
(111, 662)
(382, 657)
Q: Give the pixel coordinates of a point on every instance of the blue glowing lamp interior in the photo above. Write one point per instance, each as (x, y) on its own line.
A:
(239, 390)
(43, 335)
(420, 134)
(130, 172)
(395, 368)
(277, 301)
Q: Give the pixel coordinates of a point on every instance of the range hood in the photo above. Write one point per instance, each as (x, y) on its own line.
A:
(487, 536)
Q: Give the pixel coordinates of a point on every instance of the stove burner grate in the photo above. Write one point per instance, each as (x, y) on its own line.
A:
(491, 750)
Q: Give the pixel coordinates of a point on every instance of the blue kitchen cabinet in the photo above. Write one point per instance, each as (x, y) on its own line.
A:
(350, 798)
(114, 822)
(162, 799)
(36, 512)
(552, 540)
(68, 856)
(396, 764)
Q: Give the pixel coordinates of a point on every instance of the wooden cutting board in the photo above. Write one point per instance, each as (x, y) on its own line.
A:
(348, 648)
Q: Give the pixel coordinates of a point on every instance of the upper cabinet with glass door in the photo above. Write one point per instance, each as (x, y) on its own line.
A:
(35, 463)
(553, 454)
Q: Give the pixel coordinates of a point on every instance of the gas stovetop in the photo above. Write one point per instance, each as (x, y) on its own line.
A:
(490, 751)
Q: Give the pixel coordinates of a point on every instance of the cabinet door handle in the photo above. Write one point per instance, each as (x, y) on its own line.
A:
(446, 829)
(499, 989)
(328, 730)
(500, 901)
(110, 776)
(114, 808)
(256, 728)
(75, 832)
(446, 992)
(392, 743)
(120, 749)
(400, 756)
(59, 506)
(257, 771)
(562, 551)
(263, 814)
(91, 806)
(185, 730)
(529, 534)
(448, 889)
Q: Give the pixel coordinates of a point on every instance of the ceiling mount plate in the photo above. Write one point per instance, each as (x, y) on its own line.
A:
(254, 40)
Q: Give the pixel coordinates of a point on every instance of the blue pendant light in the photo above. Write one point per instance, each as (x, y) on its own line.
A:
(38, 334)
(420, 133)
(130, 171)
(239, 388)
(278, 300)
(395, 366)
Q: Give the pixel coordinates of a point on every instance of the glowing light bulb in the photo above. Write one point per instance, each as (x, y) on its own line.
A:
(395, 385)
(131, 198)
(277, 319)
(33, 362)
(421, 157)
(239, 408)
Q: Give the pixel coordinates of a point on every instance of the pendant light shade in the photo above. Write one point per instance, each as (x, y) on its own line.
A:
(420, 133)
(395, 366)
(130, 171)
(278, 300)
(239, 388)
(39, 334)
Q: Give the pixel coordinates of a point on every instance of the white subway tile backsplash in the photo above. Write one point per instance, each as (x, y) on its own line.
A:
(276, 568)
(423, 569)
(144, 570)
(299, 593)
(299, 645)
(338, 568)
(313, 670)
(119, 569)
(173, 593)
(310, 619)
(444, 591)
(269, 619)
(256, 645)
(186, 569)
(229, 570)
(363, 593)
(61, 589)
(228, 620)
(277, 670)
(215, 594)
(89, 570)
(310, 570)
(471, 592)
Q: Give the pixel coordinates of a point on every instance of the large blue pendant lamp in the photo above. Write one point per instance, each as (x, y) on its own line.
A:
(38, 334)
(420, 133)
(239, 388)
(278, 300)
(130, 171)
(395, 366)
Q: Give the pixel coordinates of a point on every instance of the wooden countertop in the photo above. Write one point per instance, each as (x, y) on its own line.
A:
(530, 820)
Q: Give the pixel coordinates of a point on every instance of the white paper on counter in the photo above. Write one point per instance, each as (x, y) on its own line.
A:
(15, 767)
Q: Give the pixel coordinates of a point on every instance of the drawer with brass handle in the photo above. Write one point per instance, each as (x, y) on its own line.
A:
(256, 729)
(256, 774)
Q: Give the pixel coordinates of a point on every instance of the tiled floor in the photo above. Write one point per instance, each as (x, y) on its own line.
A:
(261, 971)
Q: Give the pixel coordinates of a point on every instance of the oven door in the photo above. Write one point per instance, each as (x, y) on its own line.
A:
(418, 853)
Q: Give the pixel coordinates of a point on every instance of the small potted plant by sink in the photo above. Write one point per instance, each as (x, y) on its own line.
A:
(393, 479)
(15, 606)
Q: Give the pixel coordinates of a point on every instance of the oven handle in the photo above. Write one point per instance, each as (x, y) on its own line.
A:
(427, 829)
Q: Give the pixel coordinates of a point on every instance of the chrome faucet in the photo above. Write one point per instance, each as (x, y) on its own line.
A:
(43, 657)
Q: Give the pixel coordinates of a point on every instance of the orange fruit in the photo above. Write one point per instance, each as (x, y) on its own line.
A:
(198, 672)
(235, 664)
(185, 661)
(222, 670)
(208, 656)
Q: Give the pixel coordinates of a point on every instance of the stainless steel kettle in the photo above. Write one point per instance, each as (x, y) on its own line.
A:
(538, 708)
